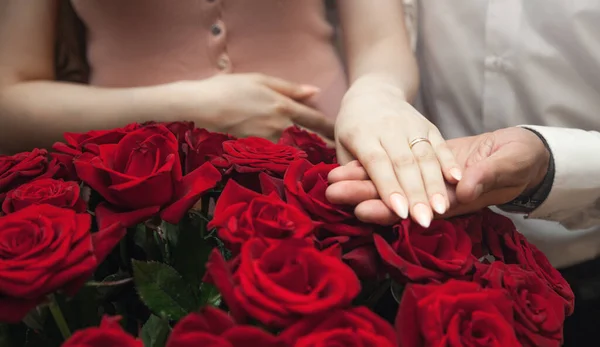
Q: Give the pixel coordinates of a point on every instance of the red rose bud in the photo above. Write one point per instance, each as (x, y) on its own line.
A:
(43, 249)
(45, 191)
(214, 327)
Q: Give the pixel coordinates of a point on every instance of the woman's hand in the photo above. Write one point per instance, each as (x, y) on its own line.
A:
(403, 153)
(251, 105)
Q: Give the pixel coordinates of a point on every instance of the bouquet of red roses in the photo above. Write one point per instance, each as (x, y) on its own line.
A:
(169, 235)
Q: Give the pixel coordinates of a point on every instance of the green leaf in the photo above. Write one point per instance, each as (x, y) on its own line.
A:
(191, 254)
(155, 332)
(209, 295)
(163, 290)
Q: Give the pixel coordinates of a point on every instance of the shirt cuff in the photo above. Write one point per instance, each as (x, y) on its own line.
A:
(574, 186)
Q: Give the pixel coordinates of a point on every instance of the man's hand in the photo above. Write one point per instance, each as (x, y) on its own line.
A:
(497, 167)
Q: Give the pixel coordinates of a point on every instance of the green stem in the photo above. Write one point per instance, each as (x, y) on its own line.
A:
(59, 319)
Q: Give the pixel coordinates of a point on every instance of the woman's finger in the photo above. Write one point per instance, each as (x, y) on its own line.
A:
(431, 173)
(351, 192)
(307, 117)
(450, 167)
(408, 173)
(376, 162)
(375, 212)
(290, 89)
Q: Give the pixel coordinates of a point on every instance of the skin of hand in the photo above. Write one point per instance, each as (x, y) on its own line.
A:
(376, 128)
(376, 122)
(253, 105)
(497, 167)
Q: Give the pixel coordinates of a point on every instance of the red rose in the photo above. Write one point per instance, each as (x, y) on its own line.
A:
(357, 326)
(435, 254)
(506, 244)
(278, 284)
(203, 146)
(316, 149)
(539, 312)
(213, 327)
(456, 313)
(304, 186)
(43, 249)
(109, 334)
(77, 143)
(25, 167)
(45, 191)
(472, 224)
(241, 214)
(254, 154)
(141, 175)
(179, 129)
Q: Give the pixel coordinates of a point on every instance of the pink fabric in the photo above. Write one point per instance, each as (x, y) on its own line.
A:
(146, 42)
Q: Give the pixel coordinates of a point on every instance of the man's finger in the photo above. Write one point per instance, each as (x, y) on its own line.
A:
(348, 172)
(375, 212)
(310, 118)
(491, 173)
(351, 192)
(292, 90)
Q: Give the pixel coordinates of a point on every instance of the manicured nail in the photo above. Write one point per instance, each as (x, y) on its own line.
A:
(439, 203)
(422, 215)
(455, 172)
(308, 89)
(399, 205)
(478, 190)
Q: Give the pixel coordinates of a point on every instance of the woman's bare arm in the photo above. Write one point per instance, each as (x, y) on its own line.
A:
(377, 44)
(34, 109)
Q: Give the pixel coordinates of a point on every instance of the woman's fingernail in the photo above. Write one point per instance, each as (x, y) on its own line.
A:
(308, 89)
(399, 205)
(439, 203)
(478, 190)
(422, 215)
(455, 172)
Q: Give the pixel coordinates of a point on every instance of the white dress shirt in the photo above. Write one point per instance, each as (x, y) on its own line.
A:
(490, 64)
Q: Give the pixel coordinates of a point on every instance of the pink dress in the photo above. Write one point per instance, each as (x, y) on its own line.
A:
(147, 42)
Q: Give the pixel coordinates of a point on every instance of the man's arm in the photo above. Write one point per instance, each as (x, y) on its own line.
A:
(574, 199)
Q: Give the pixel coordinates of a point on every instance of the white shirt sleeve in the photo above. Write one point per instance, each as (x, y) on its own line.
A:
(574, 200)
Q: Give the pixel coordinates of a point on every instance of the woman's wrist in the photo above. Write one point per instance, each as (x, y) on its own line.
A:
(183, 100)
(376, 84)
